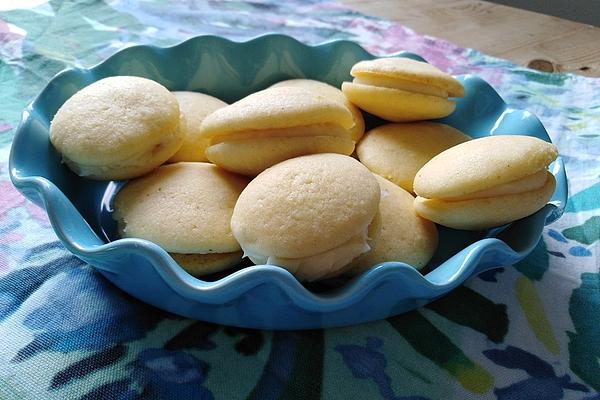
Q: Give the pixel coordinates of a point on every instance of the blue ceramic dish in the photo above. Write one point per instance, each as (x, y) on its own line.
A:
(263, 296)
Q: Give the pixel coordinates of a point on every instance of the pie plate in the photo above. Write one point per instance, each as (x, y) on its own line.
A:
(262, 296)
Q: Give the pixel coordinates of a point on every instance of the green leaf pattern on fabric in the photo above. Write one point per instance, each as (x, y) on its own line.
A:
(587, 233)
(584, 344)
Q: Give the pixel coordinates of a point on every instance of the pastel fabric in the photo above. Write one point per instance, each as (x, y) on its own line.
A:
(529, 331)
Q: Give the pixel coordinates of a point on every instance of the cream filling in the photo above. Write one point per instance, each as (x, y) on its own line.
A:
(528, 183)
(401, 84)
(319, 265)
(295, 131)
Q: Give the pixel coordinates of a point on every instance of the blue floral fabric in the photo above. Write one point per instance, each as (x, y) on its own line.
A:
(529, 331)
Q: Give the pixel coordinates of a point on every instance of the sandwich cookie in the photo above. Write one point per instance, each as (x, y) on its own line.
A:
(486, 182)
(398, 151)
(309, 214)
(186, 209)
(274, 125)
(397, 233)
(327, 90)
(194, 108)
(117, 128)
(401, 89)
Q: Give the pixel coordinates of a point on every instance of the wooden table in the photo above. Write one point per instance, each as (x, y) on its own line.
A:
(535, 40)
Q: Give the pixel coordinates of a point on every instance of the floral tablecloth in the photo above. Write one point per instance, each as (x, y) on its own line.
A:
(529, 331)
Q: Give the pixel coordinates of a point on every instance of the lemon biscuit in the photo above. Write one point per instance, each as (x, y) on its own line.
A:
(401, 89)
(194, 108)
(117, 128)
(486, 182)
(398, 151)
(397, 233)
(277, 113)
(186, 209)
(309, 214)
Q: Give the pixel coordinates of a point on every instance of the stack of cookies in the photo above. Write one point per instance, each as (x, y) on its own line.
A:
(287, 176)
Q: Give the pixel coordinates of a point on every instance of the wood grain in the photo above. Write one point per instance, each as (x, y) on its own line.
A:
(525, 37)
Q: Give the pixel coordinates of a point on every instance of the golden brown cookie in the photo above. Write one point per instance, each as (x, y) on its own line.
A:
(486, 182)
(186, 209)
(194, 108)
(117, 128)
(401, 89)
(275, 124)
(398, 151)
(309, 214)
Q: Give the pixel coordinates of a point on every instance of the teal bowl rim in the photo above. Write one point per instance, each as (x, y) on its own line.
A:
(430, 286)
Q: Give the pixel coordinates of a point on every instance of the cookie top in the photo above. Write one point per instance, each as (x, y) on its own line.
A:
(279, 107)
(359, 124)
(184, 207)
(408, 70)
(398, 233)
(312, 84)
(305, 206)
(481, 164)
(114, 120)
(194, 107)
(398, 151)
